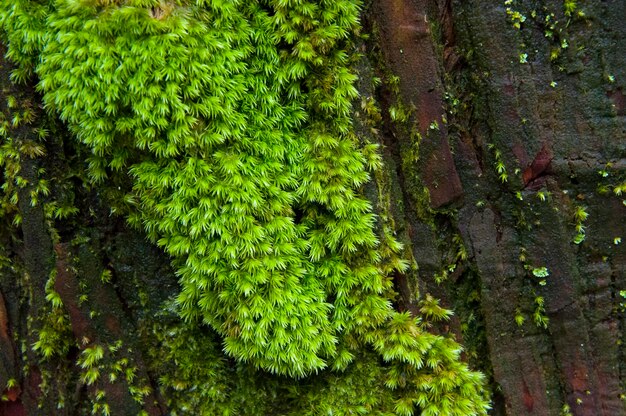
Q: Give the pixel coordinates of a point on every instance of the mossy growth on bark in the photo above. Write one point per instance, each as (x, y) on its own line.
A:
(232, 120)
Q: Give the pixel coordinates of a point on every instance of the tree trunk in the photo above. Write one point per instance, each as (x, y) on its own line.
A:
(518, 113)
(503, 133)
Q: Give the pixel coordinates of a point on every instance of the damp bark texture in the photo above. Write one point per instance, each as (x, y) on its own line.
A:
(520, 111)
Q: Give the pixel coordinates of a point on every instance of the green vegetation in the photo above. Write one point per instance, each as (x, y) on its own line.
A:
(499, 164)
(580, 216)
(232, 121)
(553, 22)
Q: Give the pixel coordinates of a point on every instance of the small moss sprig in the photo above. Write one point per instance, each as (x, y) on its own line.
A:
(580, 216)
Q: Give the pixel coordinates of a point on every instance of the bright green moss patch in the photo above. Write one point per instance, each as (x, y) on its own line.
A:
(233, 120)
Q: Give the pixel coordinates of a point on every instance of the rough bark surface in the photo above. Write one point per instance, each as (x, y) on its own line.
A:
(556, 125)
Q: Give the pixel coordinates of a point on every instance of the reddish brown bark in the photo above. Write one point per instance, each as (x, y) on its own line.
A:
(557, 128)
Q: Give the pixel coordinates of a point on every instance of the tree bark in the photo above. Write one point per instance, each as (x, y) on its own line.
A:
(518, 127)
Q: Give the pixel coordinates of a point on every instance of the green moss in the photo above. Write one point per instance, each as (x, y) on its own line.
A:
(54, 337)
(233, 122)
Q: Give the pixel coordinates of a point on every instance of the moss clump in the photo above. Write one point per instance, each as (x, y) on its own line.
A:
(233, 120)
